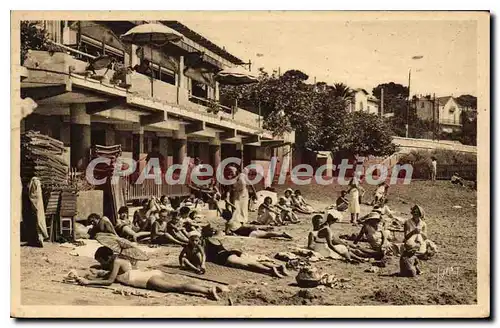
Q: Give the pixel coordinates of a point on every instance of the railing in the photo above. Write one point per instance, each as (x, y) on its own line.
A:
(148, 189)
(450, 122)
(207, 103)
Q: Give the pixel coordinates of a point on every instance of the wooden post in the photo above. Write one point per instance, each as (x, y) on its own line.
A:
(382, 102)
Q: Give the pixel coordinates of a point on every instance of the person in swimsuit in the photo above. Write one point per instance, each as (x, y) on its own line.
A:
(159, 233)
(165, 204)
(192, 255)
(100, 224)
(237, 228)
(380, 193)
(188, 218)
(124, 227)
(142, 217)
(216, 253)
(121, 271)
(376, 237)
(286, 211)
(267, 214)
(299, 204)
(342, 204)
(324, 241)
(176, 229)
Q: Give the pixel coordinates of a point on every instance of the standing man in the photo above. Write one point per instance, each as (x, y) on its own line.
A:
(433, 168)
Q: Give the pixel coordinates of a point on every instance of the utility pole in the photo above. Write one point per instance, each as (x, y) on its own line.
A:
(382, 102)
(434, 117)
(409, 101)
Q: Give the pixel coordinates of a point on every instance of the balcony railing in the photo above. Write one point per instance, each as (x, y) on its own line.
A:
(134, 83)
(450, 122)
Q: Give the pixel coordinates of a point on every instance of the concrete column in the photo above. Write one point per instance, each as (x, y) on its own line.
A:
(204, 152)
(249, 153)
(110, 136)
(214, 150)
(80, 136)
(180, 150)
(134, 59)
(217, 91)
(137, 143)
(181, 79)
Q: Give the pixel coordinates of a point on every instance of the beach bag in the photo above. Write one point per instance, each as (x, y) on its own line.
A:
(308, 277)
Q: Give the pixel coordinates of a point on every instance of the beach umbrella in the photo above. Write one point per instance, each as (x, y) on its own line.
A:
(152, 33)
(235, 76)
(121, 246)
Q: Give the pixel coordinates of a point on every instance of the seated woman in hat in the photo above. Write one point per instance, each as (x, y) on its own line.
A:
(323, 240)
(415, 231)
(299, 204)
(374, 233)
(216, 253)
(122, 271)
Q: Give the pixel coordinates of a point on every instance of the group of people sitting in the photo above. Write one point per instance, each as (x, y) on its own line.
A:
(378, 229)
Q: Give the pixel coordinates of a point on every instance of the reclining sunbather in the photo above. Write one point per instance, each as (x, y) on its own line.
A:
(217, 253)
(124, 227)
(121, 271)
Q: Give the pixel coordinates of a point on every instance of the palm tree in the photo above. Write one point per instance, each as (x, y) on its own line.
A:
(342, 92)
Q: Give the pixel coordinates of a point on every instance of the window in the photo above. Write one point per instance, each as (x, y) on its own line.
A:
(95, 48)
(199, 89)
(422, 104)
(361, 105)
(163, 74)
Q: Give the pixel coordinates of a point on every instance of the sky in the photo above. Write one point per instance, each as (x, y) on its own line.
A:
(361, 52)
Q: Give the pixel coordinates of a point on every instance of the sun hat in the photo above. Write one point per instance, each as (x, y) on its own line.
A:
(289, 189)
(418, 210)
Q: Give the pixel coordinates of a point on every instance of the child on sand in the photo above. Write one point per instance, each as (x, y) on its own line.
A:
(286, 211)
(124, 227)
(175, 227)
(409, 265)
(300, 204)
(121, 271)
(267, 214)
(187, 218)
(192, 255)
(159, 234)
(342, 204)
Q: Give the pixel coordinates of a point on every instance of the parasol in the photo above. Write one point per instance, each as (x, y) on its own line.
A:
(235, 76)
(151, 34)
(121, 246)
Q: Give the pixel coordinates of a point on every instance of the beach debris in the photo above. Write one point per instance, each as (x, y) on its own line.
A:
(372, 269)
(457, 206)
(131, 292)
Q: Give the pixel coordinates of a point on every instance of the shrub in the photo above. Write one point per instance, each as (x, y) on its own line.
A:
(449, 162)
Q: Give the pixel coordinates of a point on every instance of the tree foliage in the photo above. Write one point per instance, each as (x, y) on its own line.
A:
(316, 112)
(467, 101)
(33, 37)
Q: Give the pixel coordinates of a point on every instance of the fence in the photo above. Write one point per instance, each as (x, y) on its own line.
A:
(148, 189)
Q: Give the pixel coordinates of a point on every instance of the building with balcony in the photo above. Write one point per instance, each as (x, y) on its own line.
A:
(172, 106)
(444, 110)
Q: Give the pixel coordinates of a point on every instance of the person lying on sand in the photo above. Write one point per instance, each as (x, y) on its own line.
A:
(217, 253)
(299, 204)
(159, 234)
(324, 241)
(100, 224)
(124, 227)
(192, 255)
(121, 271)
(237, 228)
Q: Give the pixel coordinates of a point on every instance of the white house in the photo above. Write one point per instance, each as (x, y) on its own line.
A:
(364, 102)
(445, 110)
